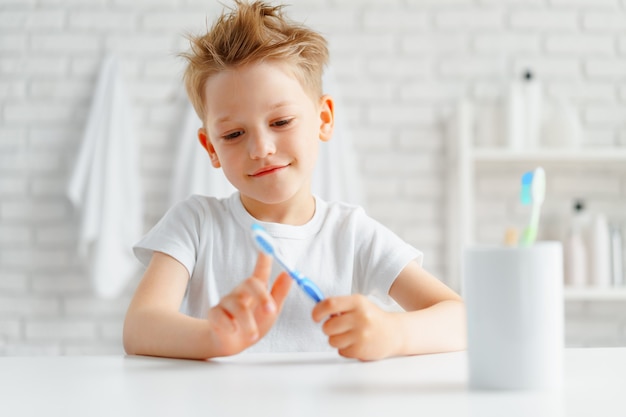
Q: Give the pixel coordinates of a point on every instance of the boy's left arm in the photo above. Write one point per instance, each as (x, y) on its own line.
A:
(434, 320)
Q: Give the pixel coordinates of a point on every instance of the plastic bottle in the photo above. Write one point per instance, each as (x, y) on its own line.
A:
(617, 263)
(576, 267)
(600, 252)
(515, 115)
(533, 101)
(561, 128)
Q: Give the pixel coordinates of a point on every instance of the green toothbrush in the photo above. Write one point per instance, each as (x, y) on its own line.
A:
(533, 191)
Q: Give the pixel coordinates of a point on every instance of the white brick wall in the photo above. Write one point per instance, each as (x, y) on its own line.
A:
(402, 65)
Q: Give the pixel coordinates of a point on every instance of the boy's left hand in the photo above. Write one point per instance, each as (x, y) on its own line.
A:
(358, 328)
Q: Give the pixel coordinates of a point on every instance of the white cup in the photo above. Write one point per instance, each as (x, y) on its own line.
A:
(514, 301)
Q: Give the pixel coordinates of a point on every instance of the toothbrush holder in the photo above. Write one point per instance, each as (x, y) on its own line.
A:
(514, 301)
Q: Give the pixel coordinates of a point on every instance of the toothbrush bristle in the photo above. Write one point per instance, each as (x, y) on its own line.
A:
(525, 196)
(264, 245)
(262, 239)
(539, 185)
(527, 178)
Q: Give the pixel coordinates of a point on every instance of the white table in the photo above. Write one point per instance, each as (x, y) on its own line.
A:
(297, 385)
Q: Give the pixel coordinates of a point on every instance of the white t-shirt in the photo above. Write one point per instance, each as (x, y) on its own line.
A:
(341, 249)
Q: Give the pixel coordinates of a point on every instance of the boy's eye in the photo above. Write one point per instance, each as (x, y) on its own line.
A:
(233, 135)
(280, 123)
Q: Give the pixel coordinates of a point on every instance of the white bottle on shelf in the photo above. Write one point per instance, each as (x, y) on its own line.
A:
(515, 114)
(617, 264)
(576, 263)
(533, 101)
(524, 113)
(561, 128)
(599, 252)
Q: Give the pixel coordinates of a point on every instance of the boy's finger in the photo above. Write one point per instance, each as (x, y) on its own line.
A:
(258, 289)
(341, 341)
(263, 267)
(280, 289)
(239, 308)
(332, 306)
(222, 320)
(338, 324)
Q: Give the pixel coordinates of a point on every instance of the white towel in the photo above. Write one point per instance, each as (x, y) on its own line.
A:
(336, 176)
(193, 172)
(105, 187)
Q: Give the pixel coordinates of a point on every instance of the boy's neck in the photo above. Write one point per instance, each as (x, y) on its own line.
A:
(296, 211)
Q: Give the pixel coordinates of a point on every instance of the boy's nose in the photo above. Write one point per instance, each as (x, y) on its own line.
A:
(261, 145)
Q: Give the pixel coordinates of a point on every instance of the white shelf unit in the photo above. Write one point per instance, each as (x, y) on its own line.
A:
(583, 156)
(462, 161)
(595, 294)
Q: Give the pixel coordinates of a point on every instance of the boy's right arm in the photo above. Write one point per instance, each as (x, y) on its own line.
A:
(155, 327)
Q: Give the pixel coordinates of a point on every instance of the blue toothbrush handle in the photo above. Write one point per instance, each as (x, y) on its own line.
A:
(307, 286)
(312, 290)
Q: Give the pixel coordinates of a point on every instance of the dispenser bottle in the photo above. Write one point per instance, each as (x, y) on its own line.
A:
(576, 269)
(617, 262)
(600, 252)
(533, 100)
(515, 115)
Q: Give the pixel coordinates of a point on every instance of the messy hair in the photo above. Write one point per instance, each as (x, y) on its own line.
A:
(251, 33)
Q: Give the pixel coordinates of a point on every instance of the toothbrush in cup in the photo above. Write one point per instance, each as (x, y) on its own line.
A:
(266, 244)
(533, 191)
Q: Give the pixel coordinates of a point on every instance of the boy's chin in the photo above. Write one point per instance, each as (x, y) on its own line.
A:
(278, 196)
(276, 199)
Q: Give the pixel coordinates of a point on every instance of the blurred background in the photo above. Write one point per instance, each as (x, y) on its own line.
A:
(401, 68)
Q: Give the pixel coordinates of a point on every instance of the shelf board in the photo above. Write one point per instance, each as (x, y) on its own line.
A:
(556, 155)
(595, 294)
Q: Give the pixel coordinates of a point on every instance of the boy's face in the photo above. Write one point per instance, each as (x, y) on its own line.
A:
(263, 129)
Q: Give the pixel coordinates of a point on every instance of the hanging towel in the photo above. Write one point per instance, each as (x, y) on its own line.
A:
(104, 186)
(336, 176)
(193, 172)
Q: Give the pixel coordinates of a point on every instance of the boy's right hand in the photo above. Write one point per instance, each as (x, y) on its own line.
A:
(245, 315)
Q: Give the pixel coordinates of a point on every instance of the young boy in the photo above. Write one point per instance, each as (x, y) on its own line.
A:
(255, 81)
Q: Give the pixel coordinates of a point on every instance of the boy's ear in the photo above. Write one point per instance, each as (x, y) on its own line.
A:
(206, 144)
(327, 117)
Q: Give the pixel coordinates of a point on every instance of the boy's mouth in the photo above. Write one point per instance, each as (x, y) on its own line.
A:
(268, 170)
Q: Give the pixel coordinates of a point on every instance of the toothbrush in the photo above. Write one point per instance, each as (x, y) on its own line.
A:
(527, 180)
(265, 242)
(533, 191)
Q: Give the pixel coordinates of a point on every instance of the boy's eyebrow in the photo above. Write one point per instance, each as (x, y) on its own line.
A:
(278, 105)
(223, 119)
(281, 104)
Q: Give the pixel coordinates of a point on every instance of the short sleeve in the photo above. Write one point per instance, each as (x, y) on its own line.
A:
(381, 256)
(176, 234)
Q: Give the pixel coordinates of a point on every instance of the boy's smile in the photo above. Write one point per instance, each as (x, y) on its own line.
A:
(268, 170)
(263, 129)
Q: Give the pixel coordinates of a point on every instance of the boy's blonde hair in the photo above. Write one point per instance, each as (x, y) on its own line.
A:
(250, 33)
